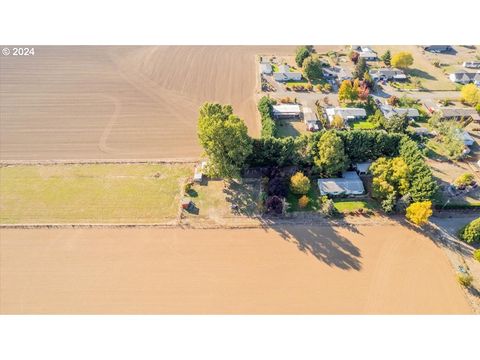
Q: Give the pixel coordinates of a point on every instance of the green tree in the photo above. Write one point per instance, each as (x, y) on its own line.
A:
(301, 54)
(476, 255)
(348, 91)
(470, 94)
(299, 184)
(402, 60)
(464, 179)
(396, 124)
(312, 68)
(360, 69)
(471, 233)
(269, 126)
(419, 212)
(331, 158)
(387, 58)
(337, 122)
(224, 139)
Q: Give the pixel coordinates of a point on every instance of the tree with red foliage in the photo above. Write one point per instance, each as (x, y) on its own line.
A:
(363, 91)
(354, 57)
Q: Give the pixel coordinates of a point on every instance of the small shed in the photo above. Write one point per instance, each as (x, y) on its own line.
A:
(186, 203)
(363, 167)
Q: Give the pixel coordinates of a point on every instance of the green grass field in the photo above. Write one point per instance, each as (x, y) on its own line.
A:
(99, 193)
(346, 205)
(362, 125)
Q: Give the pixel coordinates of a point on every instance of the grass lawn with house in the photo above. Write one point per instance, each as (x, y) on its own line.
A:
(91, 193)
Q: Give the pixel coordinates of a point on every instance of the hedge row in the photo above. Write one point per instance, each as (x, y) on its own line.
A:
(269, 127)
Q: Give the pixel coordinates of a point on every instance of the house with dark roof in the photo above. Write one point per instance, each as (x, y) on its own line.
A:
(437, 48)
(450, 113)
(464, 77)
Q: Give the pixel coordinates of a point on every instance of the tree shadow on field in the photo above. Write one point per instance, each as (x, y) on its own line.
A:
(420, 74)
(322, 241)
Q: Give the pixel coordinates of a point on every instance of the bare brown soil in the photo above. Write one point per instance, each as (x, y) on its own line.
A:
(281, 270)
(98, 102)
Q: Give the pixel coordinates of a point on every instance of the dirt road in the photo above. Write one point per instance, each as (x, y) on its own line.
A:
(130, 102)
(283, 270)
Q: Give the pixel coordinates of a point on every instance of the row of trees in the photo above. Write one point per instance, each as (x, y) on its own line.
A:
(226, 142)
(269, 126)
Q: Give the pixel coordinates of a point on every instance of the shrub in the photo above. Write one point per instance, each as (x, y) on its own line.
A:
(464, 180)
(471, 232)
(392, 100)
(188, 186)
(465, 279)
(303, 202)
(274, 204)
(328, 207)
(419, 212)
(299, 184)
(476, 255)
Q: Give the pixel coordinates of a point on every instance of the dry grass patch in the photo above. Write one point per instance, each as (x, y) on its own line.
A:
(96, 193)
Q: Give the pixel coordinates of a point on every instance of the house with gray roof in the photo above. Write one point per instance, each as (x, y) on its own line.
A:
(284, 74)
(471, 64)
(349, 184)
(266, 68)
(437, 48)
(389, 111)
(451, 113)
(387, 74)
(346, 113)
(338, 73)
(365, 52)
(464, 77)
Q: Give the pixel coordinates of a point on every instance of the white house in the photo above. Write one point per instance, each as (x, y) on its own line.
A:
(349, 184)
(310, 119)
(387, 74)
(389, 111)
(464, 77)
(346, 113)
(284, 74)
(471, 64)
(365, 52)
(266, 68)
(286, 110)
(338, 73)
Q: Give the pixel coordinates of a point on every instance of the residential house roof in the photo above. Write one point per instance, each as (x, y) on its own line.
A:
(464, 136)
(464, 76)
(349, 184)
(389, 111)
(389, 73)
(337, 72)
(285, 109)
(265, 68)
(309, 115)
(363, 167)
(450, 112)
(346, 113)
(437, 47)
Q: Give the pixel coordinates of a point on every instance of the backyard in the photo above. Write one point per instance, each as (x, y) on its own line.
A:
(94, 193)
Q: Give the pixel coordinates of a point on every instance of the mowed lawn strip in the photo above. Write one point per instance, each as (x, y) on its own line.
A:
(95, 193)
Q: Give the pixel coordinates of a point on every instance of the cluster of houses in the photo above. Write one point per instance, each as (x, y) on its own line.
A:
(283, 74)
